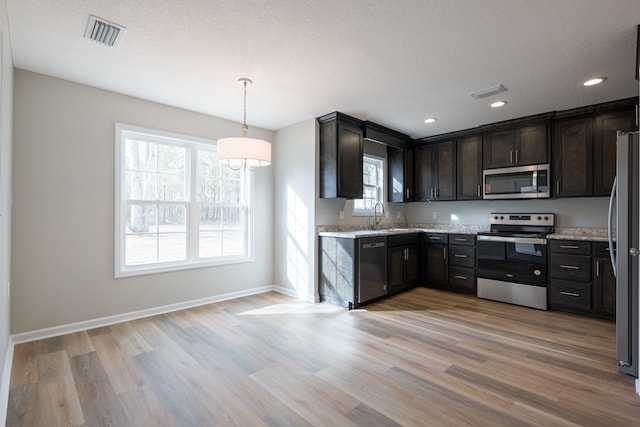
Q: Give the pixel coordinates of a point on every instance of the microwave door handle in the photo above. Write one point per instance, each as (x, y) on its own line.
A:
(534, 180)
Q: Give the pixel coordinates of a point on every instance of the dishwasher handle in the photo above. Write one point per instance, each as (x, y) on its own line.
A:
(373, 245)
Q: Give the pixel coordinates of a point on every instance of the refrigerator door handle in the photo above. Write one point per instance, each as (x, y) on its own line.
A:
(612, 199)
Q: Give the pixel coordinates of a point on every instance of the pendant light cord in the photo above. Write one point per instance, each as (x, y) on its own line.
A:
(245, 128)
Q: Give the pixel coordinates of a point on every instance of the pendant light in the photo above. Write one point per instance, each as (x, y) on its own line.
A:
(243, 152)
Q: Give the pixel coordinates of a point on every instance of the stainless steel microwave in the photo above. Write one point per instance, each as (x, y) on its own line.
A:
(521, 182)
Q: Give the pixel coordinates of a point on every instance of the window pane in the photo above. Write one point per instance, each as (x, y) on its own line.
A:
(221, 231)
(141, 185)
(171, 188)
(141, 243)
(171, 159)
(141, 155)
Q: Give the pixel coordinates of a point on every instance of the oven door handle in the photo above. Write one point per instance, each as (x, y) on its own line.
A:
(532, 240)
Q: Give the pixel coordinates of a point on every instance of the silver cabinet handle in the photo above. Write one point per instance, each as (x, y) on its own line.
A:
(509, 275)
(511, 156)
(558, 187)
(434, 238)
(460, 256)
(437, 193)
(479, 190)
(408, 193)
(461, 277)
(516, 156)
(597, 268)
(570, 246)
(459, 239)
(569, 294)
(570, 267)
(444, 253)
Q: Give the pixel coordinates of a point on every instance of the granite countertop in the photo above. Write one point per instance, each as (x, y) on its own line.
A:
(591, 234)
(356, 232)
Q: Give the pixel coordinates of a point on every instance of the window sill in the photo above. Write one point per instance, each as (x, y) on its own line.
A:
(169, 268)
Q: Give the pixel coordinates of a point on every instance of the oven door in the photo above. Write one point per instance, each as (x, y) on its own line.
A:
(512, 259)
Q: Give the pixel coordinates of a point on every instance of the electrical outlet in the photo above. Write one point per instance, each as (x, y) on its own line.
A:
(434, 215)
(341, 214)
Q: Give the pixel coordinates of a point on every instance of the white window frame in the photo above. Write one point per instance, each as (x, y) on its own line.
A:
(359, 208)
(192, 205)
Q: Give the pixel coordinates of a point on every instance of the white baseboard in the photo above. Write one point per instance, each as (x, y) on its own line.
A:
(5, 382)
(293, 294)
(637, 386)
(118, 318)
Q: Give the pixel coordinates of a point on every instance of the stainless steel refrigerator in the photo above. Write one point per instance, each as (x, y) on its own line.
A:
(624, 217)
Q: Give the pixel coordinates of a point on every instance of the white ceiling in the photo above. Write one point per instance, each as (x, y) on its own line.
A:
(394, 62)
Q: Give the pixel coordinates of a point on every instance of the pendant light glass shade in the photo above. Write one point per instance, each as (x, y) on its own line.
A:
(242, 152)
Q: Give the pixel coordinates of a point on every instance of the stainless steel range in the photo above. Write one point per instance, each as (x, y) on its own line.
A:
(512, 259)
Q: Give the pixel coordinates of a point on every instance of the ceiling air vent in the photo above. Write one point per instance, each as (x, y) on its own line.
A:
(494, 90)
(103, 31)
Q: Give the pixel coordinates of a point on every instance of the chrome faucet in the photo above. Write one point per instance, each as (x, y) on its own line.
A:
(377, 221)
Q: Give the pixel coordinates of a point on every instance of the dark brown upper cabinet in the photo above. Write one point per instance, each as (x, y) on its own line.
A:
(605, 127)
(572, 157)
(400, 175)
(516, 146)
(435, 171)
(584, 147)
(469, 168)
(341, 153)
(399, 160)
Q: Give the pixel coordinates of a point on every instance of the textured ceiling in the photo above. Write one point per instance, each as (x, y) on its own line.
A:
(392, 62)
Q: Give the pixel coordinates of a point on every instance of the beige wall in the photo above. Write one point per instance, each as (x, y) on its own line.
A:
(6, 106)
(294, 216)
(63, 188)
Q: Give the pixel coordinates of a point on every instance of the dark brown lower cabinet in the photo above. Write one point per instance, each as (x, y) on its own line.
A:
(403, 258)
(462, 263)
(435, 273)
(604, 282)
(581, 278)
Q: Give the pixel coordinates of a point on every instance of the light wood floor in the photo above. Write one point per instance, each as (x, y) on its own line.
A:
(422, 358)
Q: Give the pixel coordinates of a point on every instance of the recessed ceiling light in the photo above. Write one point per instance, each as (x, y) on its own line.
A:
(430, 120)
(498, 104)
(593, 82)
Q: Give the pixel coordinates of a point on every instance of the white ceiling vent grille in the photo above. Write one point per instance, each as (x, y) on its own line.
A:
(103, 31)
(494, 90)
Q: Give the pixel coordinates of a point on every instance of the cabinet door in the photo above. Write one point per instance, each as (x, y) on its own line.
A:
(604, 287)
(436, 257)
(396, 183)
(446, 171)
(412, 265)
(531, 145)
(498, 149)
(424, 174)
(396, 269)
(572, 157)
(605, 127)
(350, 152)
(469, 168)
(409, 190)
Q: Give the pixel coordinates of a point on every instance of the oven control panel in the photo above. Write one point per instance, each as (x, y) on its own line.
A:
(536, 219)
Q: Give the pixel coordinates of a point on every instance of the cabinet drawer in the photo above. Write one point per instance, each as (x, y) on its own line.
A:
(601, 249)
(436, 238)
(402, 239)
(462, 279)
(570, 246)
(571, 267)
(462, 239)
(463, 256)
(570, 294)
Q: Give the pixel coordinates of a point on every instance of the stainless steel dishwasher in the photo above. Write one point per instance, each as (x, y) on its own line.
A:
(372, 268)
